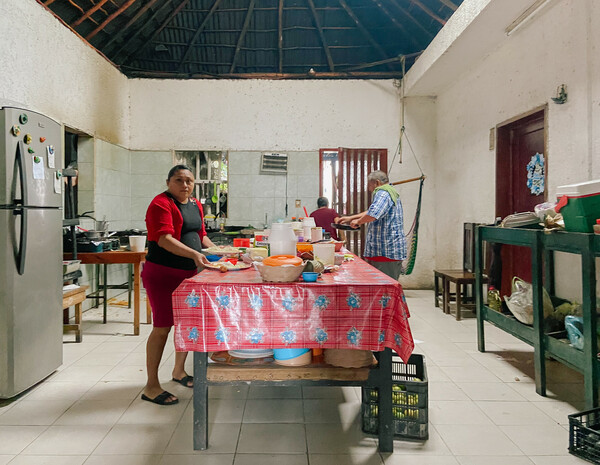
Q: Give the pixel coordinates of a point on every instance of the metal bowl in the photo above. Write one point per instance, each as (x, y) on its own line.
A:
(94, 234)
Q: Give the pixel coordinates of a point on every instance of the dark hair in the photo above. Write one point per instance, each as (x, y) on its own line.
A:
(176, 168)
(322, 202)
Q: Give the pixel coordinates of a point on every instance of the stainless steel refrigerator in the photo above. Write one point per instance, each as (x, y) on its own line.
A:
(31, 154)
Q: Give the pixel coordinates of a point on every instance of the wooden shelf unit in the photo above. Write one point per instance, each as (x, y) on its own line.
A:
(542, 247)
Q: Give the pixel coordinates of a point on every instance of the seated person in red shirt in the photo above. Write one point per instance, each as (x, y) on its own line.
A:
(324, 216)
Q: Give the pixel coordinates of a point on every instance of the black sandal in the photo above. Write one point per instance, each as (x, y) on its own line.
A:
(185, 380)
(161, 399)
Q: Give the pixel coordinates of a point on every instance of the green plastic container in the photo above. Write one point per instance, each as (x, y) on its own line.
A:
(579, 205)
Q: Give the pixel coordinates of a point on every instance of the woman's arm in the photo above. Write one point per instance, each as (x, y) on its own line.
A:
(206, 242)
(168, 242)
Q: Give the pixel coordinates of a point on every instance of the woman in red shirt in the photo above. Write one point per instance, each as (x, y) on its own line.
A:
(176, 236)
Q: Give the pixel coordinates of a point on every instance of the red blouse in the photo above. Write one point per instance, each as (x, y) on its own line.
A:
(163, 217)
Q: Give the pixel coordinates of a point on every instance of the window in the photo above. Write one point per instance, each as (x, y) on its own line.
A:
(210, 169)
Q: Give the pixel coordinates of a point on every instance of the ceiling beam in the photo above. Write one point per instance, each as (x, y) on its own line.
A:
(48, 2)
(242, 35)
(190, 44)
(321, 35)
(122, 30)
(76, 6)
(89, 13)
(280, 34)
(427, 10)
(157, 31)
(396, 23)
(449, 4)
(409, 15)
(364, 31)
(110, 18)
(271, 76)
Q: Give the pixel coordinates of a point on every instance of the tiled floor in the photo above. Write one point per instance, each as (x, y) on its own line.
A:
(483, 409)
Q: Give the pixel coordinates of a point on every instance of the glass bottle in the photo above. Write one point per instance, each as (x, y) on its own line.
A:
(494, 301)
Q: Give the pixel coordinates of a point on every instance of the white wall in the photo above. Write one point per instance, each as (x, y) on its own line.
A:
(262, 115)
(558, 46)
(252, 194)
(48, 69)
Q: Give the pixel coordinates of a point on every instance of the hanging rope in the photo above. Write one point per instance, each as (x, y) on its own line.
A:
(412, 237)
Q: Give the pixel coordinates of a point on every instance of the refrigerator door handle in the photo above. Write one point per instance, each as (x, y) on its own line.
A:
(20, 253)
(20, 167)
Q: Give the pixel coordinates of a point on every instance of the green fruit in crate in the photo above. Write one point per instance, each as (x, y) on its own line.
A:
(398, 413)
(374, 410)
(413, 399)
(412, 414)
(374, 394)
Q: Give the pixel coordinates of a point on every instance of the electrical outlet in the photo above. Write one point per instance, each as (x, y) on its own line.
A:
(298, 203)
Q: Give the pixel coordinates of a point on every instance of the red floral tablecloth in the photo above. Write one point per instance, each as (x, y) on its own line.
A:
(357, 307)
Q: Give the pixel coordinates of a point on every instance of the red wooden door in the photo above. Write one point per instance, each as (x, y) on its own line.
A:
(350, 193)
(518, 142)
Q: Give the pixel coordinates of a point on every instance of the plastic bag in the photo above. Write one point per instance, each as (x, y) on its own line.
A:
(520, 302)
(574, 327)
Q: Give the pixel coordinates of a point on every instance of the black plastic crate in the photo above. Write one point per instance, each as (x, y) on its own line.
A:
(584, 435)
(409, 401)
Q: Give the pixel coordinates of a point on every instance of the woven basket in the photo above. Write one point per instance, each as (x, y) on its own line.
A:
(348, 358)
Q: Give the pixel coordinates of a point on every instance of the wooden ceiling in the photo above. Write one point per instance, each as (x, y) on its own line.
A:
(276, 39)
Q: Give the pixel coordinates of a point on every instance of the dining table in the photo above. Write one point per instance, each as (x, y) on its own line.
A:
(355, 306)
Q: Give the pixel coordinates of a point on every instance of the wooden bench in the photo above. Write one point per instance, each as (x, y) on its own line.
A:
(71, 298)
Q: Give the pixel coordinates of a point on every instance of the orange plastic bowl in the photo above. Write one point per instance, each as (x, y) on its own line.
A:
(279, 260)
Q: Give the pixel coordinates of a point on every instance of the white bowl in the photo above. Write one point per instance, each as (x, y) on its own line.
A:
(279, 274)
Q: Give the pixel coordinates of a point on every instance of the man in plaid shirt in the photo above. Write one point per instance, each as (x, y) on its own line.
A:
(385, 244)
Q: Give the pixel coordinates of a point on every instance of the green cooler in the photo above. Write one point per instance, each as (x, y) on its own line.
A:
(579, 205)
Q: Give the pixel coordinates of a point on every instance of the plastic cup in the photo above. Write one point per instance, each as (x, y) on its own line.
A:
(316, 234)
(325, 253)
(137, 243)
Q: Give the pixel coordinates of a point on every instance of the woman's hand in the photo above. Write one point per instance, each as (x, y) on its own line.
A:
(354, 224)
(343, 219)
(200, 260)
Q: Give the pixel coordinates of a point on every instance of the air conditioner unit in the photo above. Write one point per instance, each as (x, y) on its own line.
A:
(273, 163)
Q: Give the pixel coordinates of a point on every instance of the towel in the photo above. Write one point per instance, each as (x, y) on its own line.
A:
(390, 190)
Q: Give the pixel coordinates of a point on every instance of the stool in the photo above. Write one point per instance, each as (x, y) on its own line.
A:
(74, 297)
(461, 279)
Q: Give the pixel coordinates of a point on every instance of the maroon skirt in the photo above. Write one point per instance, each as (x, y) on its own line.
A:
(160, 282)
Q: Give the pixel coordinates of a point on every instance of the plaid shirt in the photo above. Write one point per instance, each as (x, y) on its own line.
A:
(385, 235)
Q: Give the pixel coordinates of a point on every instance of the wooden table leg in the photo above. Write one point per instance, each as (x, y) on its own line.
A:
(446, 297)
(136, 299)
(459, 298)
(436, 289)
(78, 313)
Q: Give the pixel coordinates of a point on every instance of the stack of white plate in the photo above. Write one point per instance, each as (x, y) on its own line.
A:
(251, 353)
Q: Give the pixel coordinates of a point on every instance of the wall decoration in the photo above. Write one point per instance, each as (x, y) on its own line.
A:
(535, 174)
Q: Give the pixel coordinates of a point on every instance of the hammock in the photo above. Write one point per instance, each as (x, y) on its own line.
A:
(412, 237)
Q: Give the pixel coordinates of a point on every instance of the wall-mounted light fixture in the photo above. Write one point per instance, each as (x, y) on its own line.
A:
(561, 95)
(526, 16)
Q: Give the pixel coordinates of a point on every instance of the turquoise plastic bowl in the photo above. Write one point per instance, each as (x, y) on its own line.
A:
(310, 276)
(286, 354)
(213, 258)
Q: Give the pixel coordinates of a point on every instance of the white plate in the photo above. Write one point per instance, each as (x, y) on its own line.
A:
(251, 353)
(221, 252)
